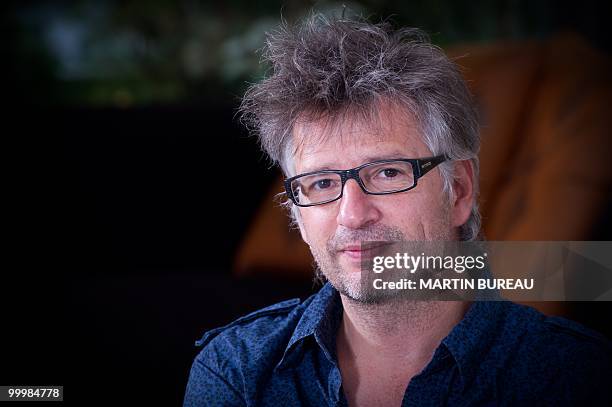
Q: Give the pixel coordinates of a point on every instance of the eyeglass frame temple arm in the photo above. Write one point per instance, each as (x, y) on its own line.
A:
(427, 164)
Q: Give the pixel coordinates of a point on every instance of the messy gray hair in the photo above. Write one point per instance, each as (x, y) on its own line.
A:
(325, 67)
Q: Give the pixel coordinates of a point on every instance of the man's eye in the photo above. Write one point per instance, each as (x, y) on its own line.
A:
(322, 184)
(389, 173)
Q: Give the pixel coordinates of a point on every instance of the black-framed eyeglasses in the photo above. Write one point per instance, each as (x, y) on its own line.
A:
(375, 178)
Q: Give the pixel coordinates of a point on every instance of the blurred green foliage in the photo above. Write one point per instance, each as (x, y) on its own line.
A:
(126, 53)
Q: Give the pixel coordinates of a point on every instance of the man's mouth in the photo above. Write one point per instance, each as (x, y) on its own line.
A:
(363, 250)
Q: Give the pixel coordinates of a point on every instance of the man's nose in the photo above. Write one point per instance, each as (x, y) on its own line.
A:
(356, 207)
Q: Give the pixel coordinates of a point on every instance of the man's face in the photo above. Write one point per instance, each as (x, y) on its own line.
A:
(334, 230)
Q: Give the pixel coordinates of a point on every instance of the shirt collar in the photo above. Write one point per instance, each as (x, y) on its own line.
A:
(466, 342)
(473, 335)
(321, 320)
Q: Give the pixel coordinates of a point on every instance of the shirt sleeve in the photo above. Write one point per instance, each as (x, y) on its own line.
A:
(206, 387)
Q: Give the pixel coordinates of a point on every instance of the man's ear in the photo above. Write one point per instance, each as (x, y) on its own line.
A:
(463, 192)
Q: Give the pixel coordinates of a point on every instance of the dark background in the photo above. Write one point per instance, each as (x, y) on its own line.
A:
(129, 182)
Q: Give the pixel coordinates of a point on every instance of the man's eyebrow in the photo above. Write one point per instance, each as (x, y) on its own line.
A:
(368, 159)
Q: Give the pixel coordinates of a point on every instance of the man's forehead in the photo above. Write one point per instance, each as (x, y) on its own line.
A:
(312, 138)
(390, 133)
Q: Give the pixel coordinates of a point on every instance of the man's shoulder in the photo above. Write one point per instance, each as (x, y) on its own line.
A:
(269, 321)
(235, 357)
(255, 340)
(552, 355)
(270, 324)
(555, 334)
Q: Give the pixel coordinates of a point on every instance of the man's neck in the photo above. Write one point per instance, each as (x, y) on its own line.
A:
(400, 329)
(380, 347)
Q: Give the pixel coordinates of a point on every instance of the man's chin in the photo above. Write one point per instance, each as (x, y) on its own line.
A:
(350, 285)
(345, 275)
(361, 296)
(350, 265)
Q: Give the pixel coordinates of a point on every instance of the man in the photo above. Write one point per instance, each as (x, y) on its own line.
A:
(378, 137)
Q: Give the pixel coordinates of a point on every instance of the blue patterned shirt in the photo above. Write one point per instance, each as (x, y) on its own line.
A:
(500, 353)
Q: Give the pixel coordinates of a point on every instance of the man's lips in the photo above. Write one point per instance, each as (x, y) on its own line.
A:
(358, 251)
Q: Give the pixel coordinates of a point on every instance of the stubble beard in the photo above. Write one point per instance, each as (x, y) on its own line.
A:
(354, 285)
